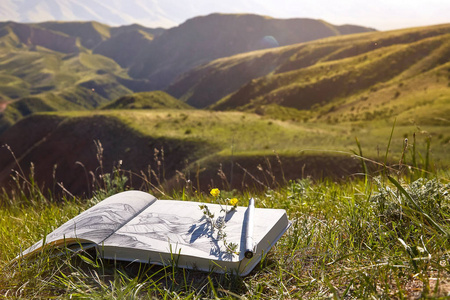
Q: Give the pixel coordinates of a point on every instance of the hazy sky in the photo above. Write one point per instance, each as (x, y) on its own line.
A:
(380, 14)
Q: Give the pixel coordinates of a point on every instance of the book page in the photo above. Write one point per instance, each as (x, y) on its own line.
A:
(98, 222)
(180, 227)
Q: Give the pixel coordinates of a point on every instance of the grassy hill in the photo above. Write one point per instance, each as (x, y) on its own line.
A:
(42, 80)
(380, 75)
(124, 46)
(47, 67)
(126, 42)
(20, 35)
(94, 34)
(147, 100)
(208, 148)
(89, 34)
(338, 79)
(66, 142)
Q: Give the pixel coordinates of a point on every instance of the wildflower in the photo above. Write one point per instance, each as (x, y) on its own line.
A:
(215, 192)
(218, 224)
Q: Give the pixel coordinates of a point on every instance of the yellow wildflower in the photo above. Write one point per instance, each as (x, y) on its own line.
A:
(215, 192)
(233, 201)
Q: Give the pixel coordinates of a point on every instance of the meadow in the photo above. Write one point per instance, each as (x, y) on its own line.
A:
(376, 100)
(380, 235)
(244, 133)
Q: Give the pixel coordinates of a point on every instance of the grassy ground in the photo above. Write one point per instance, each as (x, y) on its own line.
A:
(374, 237)
(147, 100)
(197, 143)
(247, 133)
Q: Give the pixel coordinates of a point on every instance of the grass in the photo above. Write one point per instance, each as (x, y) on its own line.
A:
(245, 133)
(381, 235)
(147, 100)
(384, 238)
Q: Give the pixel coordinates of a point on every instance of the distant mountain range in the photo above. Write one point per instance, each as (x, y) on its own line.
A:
(155, 13)
(150, 13)
(82, 65)
(203, 39)
(224, 62)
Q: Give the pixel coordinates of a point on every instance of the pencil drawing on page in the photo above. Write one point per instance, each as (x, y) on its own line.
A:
(153, 230)
(95, 224)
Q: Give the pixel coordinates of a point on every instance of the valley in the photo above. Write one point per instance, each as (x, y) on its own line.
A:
(236, 108)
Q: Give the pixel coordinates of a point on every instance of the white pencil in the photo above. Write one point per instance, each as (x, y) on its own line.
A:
(249, 229)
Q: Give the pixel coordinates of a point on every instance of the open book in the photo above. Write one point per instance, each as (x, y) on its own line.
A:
(135, 226)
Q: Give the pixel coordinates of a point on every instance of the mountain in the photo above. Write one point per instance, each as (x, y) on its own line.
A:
(155, 13)
(92, 34)
(54, 66)
(127, 42)
(115, 13)
(202, 39)
(50, 67)
(341, 78)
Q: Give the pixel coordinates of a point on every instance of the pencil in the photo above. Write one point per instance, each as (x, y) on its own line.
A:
(249, 246)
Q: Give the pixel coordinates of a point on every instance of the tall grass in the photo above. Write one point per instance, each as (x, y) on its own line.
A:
(383, 235)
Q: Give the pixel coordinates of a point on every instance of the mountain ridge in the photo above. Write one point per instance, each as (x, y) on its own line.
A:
(202, 39)
(88, 63)
(318, 72)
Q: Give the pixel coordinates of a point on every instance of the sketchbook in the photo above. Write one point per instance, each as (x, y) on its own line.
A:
(135, 226)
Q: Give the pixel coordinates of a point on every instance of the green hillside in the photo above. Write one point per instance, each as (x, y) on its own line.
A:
(89, 34)
(227, 75)
(37, 74)
(147, 100)
(210, 147)
(321, 78)
(57, 82)
(93, 34)
(373, 81)
(126, 42)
